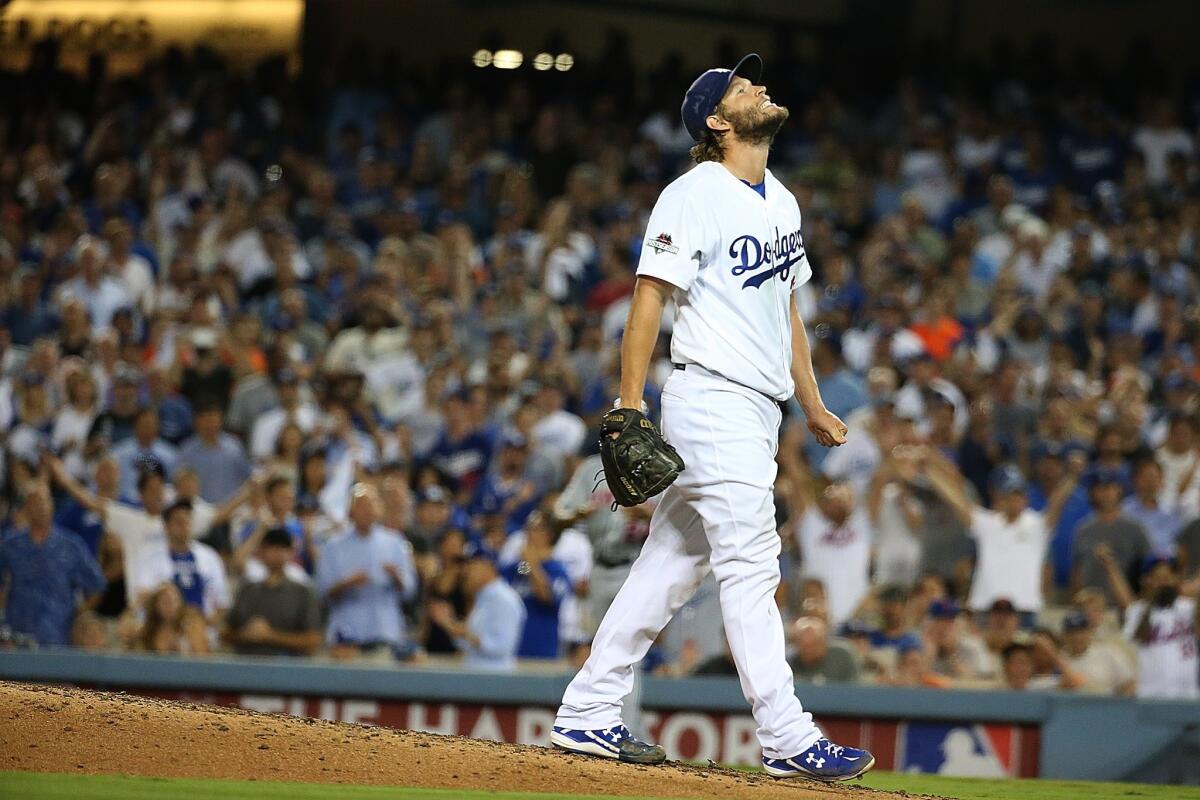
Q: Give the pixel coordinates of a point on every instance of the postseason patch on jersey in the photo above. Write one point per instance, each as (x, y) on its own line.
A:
(662, 244)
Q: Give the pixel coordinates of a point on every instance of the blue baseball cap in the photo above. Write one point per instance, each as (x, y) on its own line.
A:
(706, 92)
(1075, 621)
(1154, 559)
(1100, 476)
(944, 608)
(477, 549)
(1007, 479)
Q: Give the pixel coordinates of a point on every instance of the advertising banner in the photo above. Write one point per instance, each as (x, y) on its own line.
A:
(967, 748)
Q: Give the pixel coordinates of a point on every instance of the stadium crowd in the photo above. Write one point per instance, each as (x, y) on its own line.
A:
(295, 372)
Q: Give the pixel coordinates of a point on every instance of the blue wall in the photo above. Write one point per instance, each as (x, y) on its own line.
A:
(1083, 737)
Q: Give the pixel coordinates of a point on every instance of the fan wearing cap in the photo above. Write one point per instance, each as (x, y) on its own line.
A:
(1104, 667)
(956, 651)
(724, 244)
(1010, 538)
(275, 616)
(1108, 527)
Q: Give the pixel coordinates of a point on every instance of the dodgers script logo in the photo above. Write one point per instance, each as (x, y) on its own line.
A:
(779, 256)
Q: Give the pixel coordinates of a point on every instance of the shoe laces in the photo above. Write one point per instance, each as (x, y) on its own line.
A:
(834, 750)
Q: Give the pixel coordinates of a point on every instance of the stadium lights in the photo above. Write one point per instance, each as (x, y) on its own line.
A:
(513, 59)
(507, 59)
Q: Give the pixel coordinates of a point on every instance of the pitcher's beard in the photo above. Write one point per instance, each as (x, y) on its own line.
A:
(758, 126)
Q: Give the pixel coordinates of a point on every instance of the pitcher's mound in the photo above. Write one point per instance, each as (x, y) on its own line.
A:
(51, 729)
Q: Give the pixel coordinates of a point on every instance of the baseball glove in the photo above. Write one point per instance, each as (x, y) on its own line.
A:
(638, 463)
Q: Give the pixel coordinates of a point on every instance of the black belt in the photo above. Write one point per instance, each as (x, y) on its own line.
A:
(782, 405)
(612, 563)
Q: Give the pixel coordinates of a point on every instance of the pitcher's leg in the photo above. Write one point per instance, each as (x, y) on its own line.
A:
(740, 523)
(671, 565)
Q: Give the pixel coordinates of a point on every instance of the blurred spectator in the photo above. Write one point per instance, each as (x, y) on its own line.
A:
(74, 420)
(275, 616)
(194, 568)
(1053, 466)
(817, 658)
(1017, 667)
(101, 294)
(364, 574)
(1000, 630)
(1011, 541)
(1161, 523)
(834, 539)
(464, 450)
(913, 668)
(895, 629)
(1109, 527)
(291, 410)
(491, 635)
(543, 584)
(896, 514)
(443, 582)
(616, 534)
(47, 573)
(1103, 667)
(116, 423)
(278, 514)
(573, 551)
(217, 457)
(143, 448)
(955, 651)
(206, 380)
(170, 625)
(1052, 670)
(1164, 626)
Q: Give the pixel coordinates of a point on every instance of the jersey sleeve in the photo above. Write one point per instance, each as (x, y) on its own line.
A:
(674, 244)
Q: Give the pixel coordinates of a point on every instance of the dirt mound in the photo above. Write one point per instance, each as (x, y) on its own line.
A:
(52, 729)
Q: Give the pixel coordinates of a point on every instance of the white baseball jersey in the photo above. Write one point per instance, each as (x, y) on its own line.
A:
(1167, 666)
(736, 259)
(840, 556)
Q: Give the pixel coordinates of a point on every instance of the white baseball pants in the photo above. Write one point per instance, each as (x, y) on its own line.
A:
(719, 515)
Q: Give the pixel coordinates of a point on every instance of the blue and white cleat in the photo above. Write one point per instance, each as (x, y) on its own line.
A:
(616, 743)
(824, 761)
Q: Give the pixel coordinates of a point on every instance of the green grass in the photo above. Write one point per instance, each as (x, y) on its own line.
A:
(1027, 789)
(37, 786)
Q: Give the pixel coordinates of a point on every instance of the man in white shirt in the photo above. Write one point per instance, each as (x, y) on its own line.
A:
(101, 294)
(1010, 539)
(834, 537)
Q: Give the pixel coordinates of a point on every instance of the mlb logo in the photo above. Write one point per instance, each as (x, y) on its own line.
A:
(962, 750)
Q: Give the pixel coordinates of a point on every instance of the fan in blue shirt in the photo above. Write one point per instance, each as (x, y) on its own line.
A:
(543, 585)
(47, 571)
